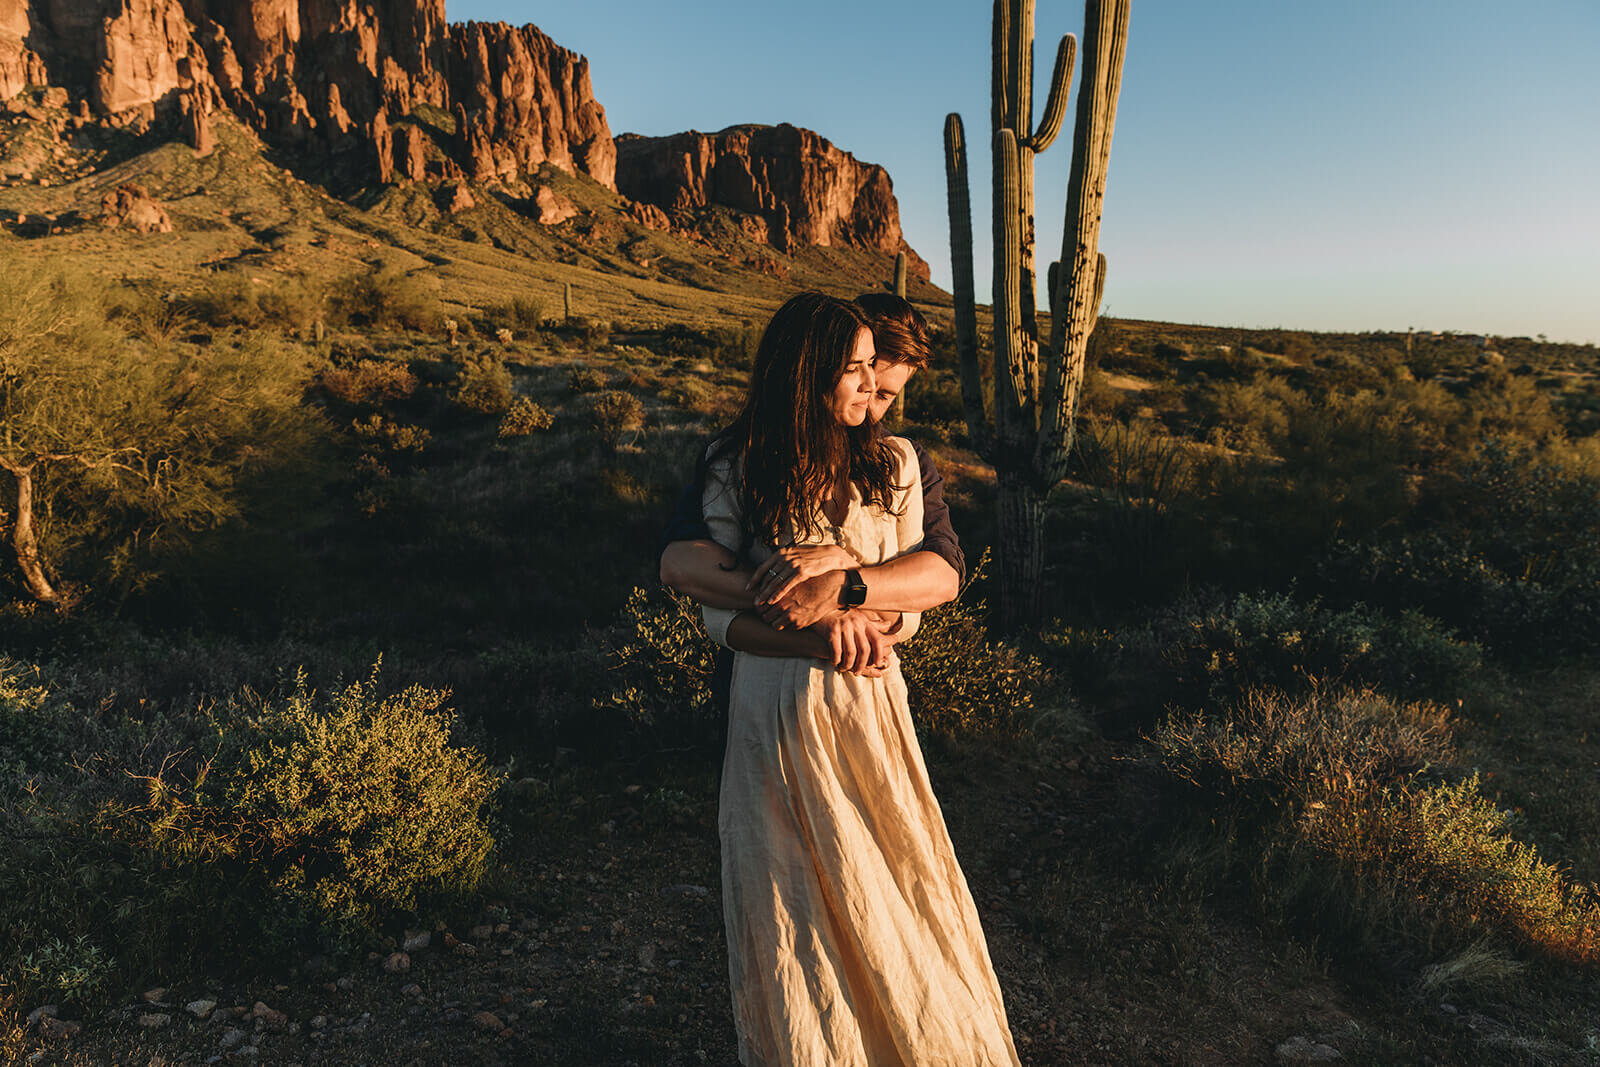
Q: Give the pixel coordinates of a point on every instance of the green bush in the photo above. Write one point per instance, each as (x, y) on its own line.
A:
(355, 802)
(484, 387)
(587, 380)
(659, 665)
(1208, 652)
(368, 383)
(140, 845)
(389, 298)
(1437, 868)
(523, 418)
(523, 313)
(1276, 746)
(1502, 545)
(615, 414)
(962, 683)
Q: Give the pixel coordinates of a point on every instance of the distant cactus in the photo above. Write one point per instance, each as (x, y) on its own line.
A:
(566, 302)
(900, 275)
(1028, 435)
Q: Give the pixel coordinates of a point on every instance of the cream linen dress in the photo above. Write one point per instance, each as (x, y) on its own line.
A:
(852, 938)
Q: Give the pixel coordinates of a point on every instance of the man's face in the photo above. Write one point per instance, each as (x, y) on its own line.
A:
(892, 378)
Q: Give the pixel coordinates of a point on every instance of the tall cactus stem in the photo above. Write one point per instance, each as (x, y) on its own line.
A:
(1075, 306)
(961, 283)
(900, 275)
(1012, 373)
(566, 302)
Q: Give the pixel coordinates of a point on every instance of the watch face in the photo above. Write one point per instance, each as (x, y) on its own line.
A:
(855, 590)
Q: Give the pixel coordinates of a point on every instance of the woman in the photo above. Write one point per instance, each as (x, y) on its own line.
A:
(852, 937)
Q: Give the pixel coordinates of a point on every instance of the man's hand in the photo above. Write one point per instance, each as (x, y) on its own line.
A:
(859, 643)
(787, 568)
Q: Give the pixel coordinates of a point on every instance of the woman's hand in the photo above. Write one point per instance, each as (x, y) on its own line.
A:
(858, 642)
(786, 568)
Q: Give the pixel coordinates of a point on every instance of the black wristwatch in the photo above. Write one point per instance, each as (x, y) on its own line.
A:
(854, 593)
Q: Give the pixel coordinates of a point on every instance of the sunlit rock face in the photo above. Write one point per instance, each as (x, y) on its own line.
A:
(802, 189)
(351, 80)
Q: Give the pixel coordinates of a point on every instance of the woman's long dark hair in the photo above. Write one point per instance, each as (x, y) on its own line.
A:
(793, 447)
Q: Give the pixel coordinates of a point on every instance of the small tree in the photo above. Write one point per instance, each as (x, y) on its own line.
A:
(120, 444)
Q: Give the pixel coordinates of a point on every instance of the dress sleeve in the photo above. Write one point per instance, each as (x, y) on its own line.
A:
(909, 523)
(720, 505)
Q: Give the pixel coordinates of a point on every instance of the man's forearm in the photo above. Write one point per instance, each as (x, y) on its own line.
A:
(697, 570)
(914, 582)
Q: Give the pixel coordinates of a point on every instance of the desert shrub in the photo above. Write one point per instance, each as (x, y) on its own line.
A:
(523, 418)
(1334, 809)
(354, 802)
(523, 313)
(390, 437)
(1434, 868)
(614, 414)
(963, 683)
(484, 387)
(1211, 651)
(1501, 545)
(659, 664)
(390, 298)
(137, 846)
(1273, 745)
(735, 346)
(367, 383)
(587, 380)
(235, 300)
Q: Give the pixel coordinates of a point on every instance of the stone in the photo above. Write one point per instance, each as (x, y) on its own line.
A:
(151, 996)
(649, 215)
(200, 1009)
(416, 940)
(41, 1012)
(128, 205)
(397, 962)
(1304, 1050)
(488, 1020)
(550, 207)
(50, 1026)
(481, 933)
(154, 1020)
(232, 1038)
(270, 1018)
(458, 198)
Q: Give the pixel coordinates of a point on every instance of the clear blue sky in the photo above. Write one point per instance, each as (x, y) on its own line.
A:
(1372, 164)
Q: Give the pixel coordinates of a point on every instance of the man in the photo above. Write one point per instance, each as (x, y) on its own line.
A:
(792, 591)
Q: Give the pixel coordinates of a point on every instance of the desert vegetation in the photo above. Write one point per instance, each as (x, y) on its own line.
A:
(339, 627)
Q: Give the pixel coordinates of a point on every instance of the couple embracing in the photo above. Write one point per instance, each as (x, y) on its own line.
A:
(812, 539)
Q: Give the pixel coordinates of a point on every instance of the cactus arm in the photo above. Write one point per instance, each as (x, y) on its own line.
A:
(1074, 308)
(961, 285)
(1099, 287)
(1055, 105)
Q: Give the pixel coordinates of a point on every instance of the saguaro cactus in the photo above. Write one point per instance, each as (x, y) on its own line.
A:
(1028, 434)
(900, 275)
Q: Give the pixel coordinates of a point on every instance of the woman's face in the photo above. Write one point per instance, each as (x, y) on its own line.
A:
(852, 394)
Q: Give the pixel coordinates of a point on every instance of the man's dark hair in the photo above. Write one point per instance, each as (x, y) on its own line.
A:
(899, 332)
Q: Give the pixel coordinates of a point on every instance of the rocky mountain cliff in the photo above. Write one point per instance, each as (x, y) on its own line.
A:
(365, 91)
(379, 88)
(794, 186)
